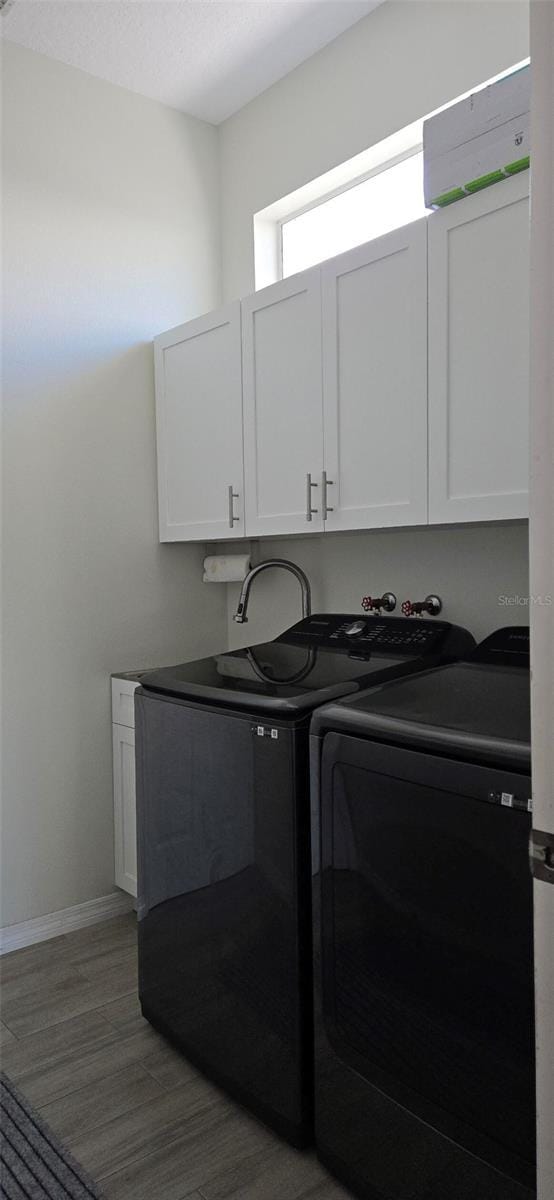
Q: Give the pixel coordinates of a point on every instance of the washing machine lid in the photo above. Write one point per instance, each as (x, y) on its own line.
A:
(323, 657)
(478, 709)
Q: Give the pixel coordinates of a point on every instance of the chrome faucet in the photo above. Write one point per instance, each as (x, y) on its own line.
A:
(240, 614)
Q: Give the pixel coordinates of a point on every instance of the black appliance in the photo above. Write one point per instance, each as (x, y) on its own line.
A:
(224, 879)
(424, 1020)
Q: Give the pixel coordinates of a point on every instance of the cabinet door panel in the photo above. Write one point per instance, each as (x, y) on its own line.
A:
(283, 405)
(199, 427)
(125, 820)
(478, 356)
(123, 701)
(375, 382)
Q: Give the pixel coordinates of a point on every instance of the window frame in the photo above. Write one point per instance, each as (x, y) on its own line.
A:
(347, 186)
(268, 222)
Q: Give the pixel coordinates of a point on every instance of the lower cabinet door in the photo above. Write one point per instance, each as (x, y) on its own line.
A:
(124, 801)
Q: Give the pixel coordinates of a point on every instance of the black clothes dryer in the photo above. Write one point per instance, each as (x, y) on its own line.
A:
(424, 1020)
(224, 880)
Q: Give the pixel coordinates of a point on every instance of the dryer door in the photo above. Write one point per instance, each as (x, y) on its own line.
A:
(426, 937)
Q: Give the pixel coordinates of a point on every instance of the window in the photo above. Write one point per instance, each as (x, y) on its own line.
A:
(390, 198)
(378, 190)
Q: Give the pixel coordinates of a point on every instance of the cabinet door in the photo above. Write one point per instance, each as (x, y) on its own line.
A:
(283, 416)
(478, 356)
(375, 382)
(123, 701)
(199, 428)
(124, 803)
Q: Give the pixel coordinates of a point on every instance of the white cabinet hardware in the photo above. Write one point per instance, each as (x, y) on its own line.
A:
(232, 497)
(325, 484)
(310, 512)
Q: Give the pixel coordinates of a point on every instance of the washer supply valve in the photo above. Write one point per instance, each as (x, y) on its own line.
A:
(431, 605)
(375, 603)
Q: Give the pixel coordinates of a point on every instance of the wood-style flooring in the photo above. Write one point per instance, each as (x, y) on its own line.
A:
(140, 1119)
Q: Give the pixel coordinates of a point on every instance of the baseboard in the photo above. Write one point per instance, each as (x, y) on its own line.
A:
(39, 929)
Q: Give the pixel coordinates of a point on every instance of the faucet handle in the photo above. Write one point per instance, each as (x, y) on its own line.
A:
(431, 605)
(376, 603)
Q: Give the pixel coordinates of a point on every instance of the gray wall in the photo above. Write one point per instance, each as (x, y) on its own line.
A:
(110, 235)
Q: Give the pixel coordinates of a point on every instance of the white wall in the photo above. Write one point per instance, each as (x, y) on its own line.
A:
(394, 66)
(110, 235)
(472, 568)
(405, 59)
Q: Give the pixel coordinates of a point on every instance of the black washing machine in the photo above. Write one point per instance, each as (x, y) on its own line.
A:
(423, 936)
(224, 880)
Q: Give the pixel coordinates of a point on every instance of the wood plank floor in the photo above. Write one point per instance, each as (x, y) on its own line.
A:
(144, 1123)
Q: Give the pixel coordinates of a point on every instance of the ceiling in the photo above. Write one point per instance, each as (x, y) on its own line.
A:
(205, 57)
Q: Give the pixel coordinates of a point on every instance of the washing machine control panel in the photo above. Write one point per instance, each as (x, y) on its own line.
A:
(386, 635)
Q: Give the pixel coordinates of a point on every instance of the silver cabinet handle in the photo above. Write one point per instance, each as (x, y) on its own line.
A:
(232, 496)
(309, 485)
(325, 483)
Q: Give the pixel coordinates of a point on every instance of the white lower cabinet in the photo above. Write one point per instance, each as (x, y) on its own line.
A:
(124, 794)
(479, 356)
(125, 809)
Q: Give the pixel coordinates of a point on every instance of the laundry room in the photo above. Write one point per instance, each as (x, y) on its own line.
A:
(277, 818)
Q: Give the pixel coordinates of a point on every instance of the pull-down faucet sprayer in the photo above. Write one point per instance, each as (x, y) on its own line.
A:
(240, 615)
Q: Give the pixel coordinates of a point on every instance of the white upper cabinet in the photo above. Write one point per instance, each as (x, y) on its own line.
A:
(478, 356)
(283, 416)
(388, 386)
(375, 382)
(199, 428)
